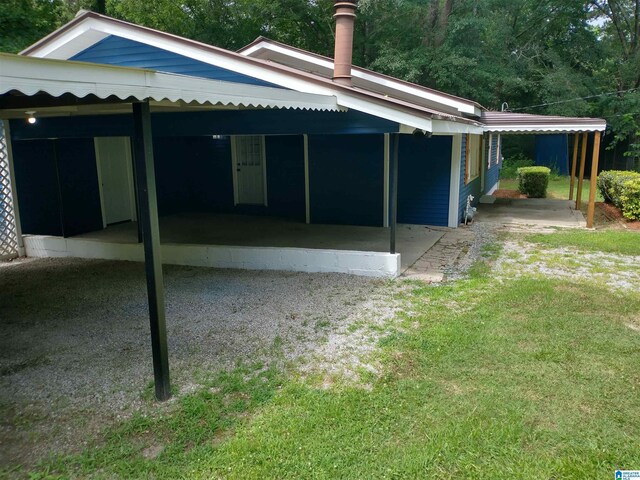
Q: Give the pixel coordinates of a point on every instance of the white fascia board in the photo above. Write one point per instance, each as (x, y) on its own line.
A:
(446, 127)
(385, 82)
(283, 79)
(568, 128)
(71, 42)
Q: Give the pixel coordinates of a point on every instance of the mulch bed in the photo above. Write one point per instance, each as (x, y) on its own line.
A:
(613, 213)
(508, 194)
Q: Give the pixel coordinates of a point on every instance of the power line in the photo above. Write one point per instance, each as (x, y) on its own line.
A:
(575, 99)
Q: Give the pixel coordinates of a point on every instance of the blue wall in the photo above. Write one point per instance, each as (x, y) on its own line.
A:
(115, 50)
(57, 185)
(472, 188)
(346, 179)
(424, 173)
(552, 151)
(285, 176)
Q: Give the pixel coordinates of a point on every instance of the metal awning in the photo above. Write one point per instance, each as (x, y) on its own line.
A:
(23, 77)
(508, 122)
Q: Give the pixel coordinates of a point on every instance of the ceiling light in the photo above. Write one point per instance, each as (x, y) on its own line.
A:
(31, 118)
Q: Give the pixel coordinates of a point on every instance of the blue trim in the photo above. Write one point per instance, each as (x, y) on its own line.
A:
(424, 179)
(114, 50)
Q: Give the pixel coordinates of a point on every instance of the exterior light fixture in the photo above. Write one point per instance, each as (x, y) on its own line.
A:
(31, 118)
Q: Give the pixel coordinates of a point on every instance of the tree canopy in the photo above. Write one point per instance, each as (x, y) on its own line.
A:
(569, 57)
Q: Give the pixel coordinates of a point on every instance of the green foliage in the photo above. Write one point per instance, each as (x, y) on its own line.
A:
(630, 198)
(533, 181)
(511, 165)
(609, 241)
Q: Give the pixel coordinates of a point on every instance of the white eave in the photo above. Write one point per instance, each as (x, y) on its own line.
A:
(31, 75)
(524, 123)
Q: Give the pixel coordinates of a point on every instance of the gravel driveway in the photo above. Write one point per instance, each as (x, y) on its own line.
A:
(75, 352)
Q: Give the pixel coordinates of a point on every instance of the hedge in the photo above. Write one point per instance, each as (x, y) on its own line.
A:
(533, 181)
(610, 184)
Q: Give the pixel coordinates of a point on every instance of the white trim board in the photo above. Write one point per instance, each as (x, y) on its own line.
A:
(454, 185)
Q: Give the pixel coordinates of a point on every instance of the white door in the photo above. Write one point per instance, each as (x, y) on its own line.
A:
(249, 169)
(115, 174)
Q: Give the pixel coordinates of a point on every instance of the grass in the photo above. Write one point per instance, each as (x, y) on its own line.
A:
(530, 378)
(609, 241)
(558, 188)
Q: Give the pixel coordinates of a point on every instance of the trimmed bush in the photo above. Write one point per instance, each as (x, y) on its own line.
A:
(533, 181)
(630, 198)
(611, 184)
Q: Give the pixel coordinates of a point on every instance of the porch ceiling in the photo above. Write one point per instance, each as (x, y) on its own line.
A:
(29, 82)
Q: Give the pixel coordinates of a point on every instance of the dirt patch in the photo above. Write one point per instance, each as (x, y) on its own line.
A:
(500, 193)
(613, 214)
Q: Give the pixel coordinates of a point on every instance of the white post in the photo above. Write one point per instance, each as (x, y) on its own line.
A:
(454, 186)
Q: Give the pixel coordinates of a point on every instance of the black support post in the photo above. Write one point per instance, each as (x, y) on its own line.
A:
(393, 193)
(148, 220)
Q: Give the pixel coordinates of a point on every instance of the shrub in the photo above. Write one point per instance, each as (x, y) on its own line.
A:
(611, 184)
(630, 198)
(533, 181)
(511, 165)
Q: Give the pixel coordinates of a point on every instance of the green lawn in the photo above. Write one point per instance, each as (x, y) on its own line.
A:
(558, 188)
(528, 378)
(610, 241)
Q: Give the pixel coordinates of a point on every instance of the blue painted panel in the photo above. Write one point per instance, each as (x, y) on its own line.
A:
(472, 188)
(493, 169)
(115, 50)
(424, 177)
(78, 177)
(285, 176)
(346, 179)
(189, 124)
(37, 187)
(552, 151)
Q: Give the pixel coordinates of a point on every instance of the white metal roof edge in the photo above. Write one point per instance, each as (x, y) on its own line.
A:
(30, 75)
(567, 128)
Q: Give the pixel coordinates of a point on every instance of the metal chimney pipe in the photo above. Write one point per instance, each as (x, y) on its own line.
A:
(345, 15)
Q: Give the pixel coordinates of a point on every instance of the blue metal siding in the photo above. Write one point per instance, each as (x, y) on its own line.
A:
(189, 124)
(346, 179)
(285, 176)
(79, 191)
(493, 172)
(471, 188)
(424, 173)
(120, 51)
(37, 187)
(552, 151)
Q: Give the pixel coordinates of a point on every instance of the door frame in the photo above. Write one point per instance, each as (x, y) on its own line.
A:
(234, 169)
(129, 163)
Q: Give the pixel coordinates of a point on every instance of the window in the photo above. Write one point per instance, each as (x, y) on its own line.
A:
(473, 157)
(491, 152)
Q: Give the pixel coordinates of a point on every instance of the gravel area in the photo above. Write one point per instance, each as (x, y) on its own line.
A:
(75, 351)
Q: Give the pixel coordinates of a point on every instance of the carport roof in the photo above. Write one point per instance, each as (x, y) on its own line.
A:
(27, 82)
(508, 122)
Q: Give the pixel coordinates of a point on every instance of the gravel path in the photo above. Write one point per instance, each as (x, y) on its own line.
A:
(75, 351)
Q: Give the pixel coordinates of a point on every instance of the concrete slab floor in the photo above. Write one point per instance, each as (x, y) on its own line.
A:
(544, 212)
(412, 241)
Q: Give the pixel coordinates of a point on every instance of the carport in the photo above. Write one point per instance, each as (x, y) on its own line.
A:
(60, 87)
(505, 123)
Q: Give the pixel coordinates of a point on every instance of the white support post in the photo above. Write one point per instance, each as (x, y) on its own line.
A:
(307, 201)
(14, 191)
(454, 187)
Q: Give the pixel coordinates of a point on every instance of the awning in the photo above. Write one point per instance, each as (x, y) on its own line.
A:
(29, 76)
(508, 122)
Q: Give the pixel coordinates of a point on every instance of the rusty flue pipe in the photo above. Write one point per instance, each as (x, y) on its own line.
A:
(345, 15)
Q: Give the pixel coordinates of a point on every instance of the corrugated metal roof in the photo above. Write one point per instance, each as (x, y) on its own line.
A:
(508, 122)
(31, 76)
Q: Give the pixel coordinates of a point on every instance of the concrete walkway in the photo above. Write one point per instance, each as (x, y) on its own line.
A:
(539, 212)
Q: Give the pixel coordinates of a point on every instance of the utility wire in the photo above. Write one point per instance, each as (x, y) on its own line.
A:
(575, 99)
